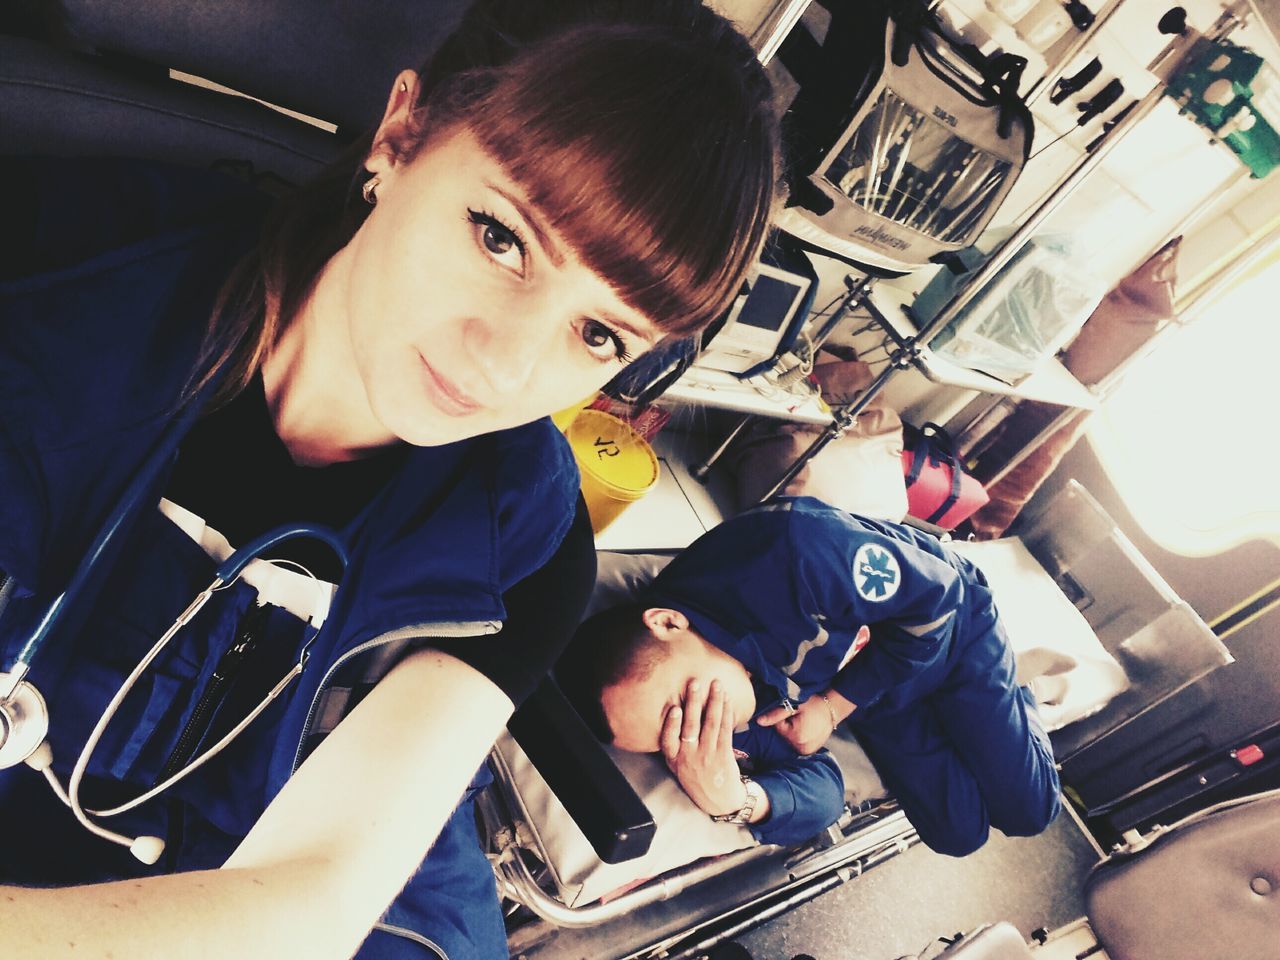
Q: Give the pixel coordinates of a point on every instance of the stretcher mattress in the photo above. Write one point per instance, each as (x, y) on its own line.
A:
(684, 833)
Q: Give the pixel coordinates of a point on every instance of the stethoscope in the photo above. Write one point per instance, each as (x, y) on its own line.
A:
(24, 715)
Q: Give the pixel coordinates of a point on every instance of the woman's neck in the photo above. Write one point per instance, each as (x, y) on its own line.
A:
(314, 391)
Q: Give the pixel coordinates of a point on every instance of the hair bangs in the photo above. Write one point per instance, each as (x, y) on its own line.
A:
(665, 195)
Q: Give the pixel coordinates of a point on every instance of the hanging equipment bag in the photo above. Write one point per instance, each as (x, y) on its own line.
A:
(904, 141)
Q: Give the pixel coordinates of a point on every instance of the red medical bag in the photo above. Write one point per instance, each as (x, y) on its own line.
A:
(938, 489)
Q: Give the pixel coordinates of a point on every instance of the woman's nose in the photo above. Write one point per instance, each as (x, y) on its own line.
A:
(508, 348)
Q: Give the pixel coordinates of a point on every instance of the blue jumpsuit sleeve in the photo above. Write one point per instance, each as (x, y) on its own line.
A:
(907, 596)
(806, 794)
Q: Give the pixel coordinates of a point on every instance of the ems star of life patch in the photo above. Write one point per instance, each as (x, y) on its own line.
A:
(876, 574)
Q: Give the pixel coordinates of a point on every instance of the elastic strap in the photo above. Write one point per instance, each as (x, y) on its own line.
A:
(942, 443)
(933, 444)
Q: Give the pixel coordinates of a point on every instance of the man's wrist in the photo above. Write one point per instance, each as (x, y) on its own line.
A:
(751, 794)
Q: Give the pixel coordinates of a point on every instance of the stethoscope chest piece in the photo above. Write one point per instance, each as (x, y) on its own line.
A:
(24, 722)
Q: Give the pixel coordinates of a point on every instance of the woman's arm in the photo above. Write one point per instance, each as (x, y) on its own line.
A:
(322, 863)
(348, 830)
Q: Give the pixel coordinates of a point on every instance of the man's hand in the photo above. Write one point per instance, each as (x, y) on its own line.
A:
(697, 742)
(810, 725)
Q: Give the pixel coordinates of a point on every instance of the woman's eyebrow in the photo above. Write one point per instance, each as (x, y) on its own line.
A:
(651, 337)
(554, 254)
(534, 223)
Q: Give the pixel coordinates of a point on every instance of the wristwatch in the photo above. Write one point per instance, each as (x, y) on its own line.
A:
(743, 814)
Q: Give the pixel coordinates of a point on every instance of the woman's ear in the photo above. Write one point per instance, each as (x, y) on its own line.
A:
(397, 130)
(665, 623)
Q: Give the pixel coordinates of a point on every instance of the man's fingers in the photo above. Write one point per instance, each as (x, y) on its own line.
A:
(726, 725)
(694, 698)
(669, 739)
(772, 716)
(710, 732)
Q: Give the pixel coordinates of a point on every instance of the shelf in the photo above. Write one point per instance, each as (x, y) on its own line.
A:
(1051, 382)
(715, 388)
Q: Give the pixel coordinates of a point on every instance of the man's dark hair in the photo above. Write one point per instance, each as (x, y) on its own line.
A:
(608, 648)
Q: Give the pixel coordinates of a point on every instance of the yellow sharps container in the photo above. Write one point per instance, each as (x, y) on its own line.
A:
(618, 466)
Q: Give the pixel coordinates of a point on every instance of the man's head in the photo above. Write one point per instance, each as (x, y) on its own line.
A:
(627, 667)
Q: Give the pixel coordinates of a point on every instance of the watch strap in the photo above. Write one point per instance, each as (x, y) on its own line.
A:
(742, 815)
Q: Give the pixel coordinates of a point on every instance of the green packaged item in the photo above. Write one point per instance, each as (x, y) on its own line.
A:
(1231, 91)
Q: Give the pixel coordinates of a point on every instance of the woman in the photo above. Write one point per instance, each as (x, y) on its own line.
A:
(562, 186)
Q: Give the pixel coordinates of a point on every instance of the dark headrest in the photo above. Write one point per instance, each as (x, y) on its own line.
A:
(333, 60)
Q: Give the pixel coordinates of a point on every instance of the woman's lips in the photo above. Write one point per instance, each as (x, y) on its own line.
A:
(445, 394)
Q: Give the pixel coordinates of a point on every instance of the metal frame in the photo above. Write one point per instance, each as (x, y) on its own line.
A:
(770, 34)
(846, 850)
(909, 350)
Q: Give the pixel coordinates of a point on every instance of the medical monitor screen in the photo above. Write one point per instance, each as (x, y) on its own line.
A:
(770, 303)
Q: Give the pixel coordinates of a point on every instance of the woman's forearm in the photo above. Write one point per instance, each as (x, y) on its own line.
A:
(323, 862)
(269, 912)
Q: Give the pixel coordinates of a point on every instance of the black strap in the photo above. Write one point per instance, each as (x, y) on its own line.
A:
(919, 453)
(935, 445)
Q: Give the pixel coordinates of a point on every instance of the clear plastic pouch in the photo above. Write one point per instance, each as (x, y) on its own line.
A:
(1022, 317)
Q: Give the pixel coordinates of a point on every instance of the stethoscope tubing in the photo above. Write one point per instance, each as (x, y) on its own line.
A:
(80, 590)
(225, 576)
(134, 496)
(208, 754)
(234, 565)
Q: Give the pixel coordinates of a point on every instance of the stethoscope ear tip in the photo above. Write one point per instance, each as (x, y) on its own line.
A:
(147, 849)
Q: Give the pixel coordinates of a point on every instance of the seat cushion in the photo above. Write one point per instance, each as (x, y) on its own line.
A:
(335, 61)
(63, 104)
(1209, 888)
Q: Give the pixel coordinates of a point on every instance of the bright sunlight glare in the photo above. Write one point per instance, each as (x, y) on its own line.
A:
(1189, 437)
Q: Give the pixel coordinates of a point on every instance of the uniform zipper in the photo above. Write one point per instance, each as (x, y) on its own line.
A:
(7, 586)
(248, 630)
(433, 631)
(413, 936)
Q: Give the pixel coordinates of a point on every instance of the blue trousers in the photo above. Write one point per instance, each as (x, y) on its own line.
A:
(970, 755)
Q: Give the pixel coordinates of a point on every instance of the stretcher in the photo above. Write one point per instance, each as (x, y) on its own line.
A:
(696, 884)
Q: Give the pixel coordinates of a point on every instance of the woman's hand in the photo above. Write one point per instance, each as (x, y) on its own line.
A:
(697, 742)
(810, 725)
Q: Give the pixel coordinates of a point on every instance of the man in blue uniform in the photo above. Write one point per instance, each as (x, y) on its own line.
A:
(798, 616)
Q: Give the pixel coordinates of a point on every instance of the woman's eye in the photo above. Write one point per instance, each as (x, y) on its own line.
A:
(604, 342)
(501, 243)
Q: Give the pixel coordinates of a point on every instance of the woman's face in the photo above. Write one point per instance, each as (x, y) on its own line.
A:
(466, 313)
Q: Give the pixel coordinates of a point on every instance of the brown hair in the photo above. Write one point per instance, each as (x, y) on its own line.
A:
(643, 132)
(609, 648)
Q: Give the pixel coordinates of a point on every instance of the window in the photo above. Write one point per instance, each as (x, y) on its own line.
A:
(1189, 437)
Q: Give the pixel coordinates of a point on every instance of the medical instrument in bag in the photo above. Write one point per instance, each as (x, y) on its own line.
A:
(908, 158)
(24, 718)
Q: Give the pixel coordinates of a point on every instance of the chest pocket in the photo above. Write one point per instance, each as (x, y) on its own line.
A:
(150, 586)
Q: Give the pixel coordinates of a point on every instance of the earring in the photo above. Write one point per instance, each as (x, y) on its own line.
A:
(368, 189)
(404, 87)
